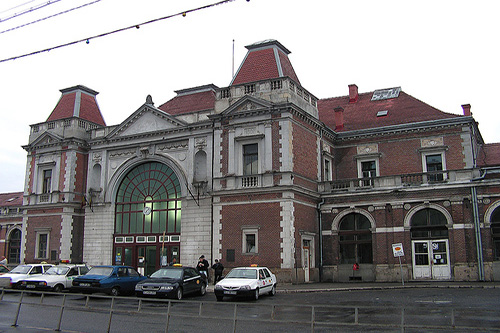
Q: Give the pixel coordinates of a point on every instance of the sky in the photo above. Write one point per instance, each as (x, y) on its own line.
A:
(444, 53)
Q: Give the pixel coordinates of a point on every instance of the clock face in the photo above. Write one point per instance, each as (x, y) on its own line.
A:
(146, 210)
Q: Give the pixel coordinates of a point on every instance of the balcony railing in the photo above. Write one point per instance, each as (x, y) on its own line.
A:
(404, 180)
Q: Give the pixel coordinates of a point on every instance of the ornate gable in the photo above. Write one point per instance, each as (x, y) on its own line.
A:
(145, 120)
(45, 140)
(247, 104)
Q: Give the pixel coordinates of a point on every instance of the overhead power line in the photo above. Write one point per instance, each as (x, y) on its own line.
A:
(51, 16)
(135, 26)
(31, 9)
(20, 5)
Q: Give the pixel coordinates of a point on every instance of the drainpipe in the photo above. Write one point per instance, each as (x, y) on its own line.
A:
(320, 224)
(477, 232)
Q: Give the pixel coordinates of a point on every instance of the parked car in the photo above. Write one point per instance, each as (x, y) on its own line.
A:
(4, 269)
(246, 281)
(173, 282)
(22, 272)
(113, 280)
(57, 278)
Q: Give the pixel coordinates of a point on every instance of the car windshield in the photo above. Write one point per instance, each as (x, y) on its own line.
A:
(105, 271)
(242, 273)
(21, 269)
(171, 273)
(57, 270)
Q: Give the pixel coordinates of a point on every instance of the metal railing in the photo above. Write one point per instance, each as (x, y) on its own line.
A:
(312, 317)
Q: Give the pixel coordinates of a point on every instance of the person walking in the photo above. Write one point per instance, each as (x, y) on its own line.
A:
(203, 266)
(218, 269)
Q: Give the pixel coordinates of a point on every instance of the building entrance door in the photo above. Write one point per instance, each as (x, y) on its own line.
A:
(307, 260)
(147, 259)
(431, 259)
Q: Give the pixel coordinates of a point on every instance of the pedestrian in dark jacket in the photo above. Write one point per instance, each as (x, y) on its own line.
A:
(218, 269)
(203, 266)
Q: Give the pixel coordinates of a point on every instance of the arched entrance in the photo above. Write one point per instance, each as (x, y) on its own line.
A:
(430, 248)
(14, 256)
(148, 218)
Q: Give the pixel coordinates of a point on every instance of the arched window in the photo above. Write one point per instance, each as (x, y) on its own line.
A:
(355, 239)
(495, 232)
(428, 223)
(14, 256)
(149, 201)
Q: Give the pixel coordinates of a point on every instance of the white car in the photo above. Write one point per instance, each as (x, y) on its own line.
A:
(57, 278)
(22, 272)
(246, 281)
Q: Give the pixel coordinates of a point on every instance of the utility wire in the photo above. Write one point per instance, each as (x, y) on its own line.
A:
(51, 16)
(136, 26)
(20, 5)
(32, 9)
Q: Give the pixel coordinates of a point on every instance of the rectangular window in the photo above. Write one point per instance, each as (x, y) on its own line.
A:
(328, 171)
(434, 164)
(368, 171)
(250, 241)
(250, 159)
(42, 245)
(47, 180)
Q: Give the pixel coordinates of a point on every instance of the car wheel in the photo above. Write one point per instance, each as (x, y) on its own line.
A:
(256, 294)
(203, 289)
(179, 294)
(273, 290)
(58, 288)
(115, 291)
(219, 298)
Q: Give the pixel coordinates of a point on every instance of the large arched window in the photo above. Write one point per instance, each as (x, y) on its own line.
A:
(355, 239)
(149, 201)
(495, 232)
(14, 256)
(428, 223)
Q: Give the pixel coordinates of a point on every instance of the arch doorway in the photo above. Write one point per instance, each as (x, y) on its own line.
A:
(148, 218)
(430, 248)
(14, 256)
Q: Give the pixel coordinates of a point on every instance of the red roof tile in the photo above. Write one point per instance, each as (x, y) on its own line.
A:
(265, 60)
(14, 199)
(489, 155)
(186, 102)
(363, 113)
(78, 101)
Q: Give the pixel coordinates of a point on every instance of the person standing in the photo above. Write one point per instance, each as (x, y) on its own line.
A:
(218, 269)
(203, 266)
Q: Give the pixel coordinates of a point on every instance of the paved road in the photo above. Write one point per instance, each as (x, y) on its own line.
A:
(472, 307)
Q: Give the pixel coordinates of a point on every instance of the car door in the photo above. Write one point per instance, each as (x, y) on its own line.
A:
(264, 284)
(191, 279)
(134, 276)
(73, 273)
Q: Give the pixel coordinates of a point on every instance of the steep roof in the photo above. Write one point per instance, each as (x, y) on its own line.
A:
(13, 199)
(362, 112)
(265, 60)
(191, 100)
(489, 155)
(78, 101)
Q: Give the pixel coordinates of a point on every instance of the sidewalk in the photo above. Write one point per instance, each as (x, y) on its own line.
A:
(338, 286)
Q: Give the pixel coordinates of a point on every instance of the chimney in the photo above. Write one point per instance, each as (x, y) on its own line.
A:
(353, 93)
(466, 108)
(339, 118)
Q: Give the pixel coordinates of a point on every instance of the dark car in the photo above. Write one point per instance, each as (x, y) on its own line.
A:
(113, 280)
(172, 282)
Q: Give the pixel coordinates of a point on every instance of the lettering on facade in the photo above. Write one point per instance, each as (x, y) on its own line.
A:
(122, 153)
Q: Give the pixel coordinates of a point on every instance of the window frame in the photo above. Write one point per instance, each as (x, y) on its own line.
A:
(47, 188)
(248, 231)
(440, 152)
(327, 171)
(243, 155)
(360, 161)
(38, 244)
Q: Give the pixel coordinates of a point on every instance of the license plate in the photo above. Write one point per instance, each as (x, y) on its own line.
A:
(30, 286)
(148, 292)
(84, 284)
(229, 292)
